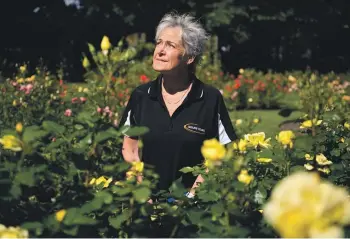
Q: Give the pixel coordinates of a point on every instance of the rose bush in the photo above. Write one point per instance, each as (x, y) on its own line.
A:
(62, 172)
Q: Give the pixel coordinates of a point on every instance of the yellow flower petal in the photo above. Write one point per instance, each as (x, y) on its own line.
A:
(60, 215)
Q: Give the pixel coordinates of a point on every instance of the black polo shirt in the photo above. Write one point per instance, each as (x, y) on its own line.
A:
(175, 142)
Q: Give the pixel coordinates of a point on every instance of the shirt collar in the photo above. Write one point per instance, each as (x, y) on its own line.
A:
(196, 92)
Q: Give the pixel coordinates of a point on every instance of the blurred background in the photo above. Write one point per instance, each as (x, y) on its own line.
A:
(259, 34)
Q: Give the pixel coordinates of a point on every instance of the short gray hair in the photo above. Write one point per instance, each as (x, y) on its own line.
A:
(193, 36)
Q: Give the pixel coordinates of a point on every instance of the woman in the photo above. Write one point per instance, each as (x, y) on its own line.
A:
(179, 110)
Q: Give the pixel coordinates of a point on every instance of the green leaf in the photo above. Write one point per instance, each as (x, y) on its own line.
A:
(195, 216)
(142, 194)
(134, 131)
(33, 133)
(84, 220)
(70, 215)
(186, 170)
(25, 178)
(15, 191)
(37, 227)
(335, 152)
(104, 135)
(53, 127)
(121, 191)
(218, 209)
(73, 231)
(78, 127)
(54, 145)
(116, 222)
(86, 118)
(93, 205)
(208, 196)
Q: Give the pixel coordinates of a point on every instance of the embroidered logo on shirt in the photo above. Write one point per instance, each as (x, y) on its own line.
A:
(194, 128)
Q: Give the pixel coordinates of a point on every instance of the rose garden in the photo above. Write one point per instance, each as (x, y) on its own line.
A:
(62, 173)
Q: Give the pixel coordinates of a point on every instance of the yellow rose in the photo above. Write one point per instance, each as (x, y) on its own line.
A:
(85, 90)
(322, 160)
(23, 68)
(244, 177)
(303, 206)
(13, 232)
(86, 62)
(30, 79)
(286, 138)
(19, 127)
(308, 157)
(241, 71)
(241, 146)
(11, 142)
(60, 215)
(257, 139)
(100, 180)
(264, 160)
(20, 81)
(250, 100)
(292, 78)
(347, 125)
(213, 150)
(239, 121)
(308, 166)
(325, 170)
(105, 43)
(309, 123)
(14, 103)
(137, 166)
(92, 181)
(80, 89)
(255, 121)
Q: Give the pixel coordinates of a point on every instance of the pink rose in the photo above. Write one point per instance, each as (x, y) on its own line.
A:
(74, 100)
(99, 110)
(82, 99)
(106, 109)
(68, 112)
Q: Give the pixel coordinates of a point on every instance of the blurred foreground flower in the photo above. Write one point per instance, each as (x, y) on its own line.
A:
(301, 205)
(11, 142)
(212, 150)
(12, 232)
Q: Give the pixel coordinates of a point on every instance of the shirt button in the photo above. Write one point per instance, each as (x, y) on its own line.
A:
(170, 126)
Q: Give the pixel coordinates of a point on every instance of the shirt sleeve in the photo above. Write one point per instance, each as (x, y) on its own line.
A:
(226, 132)
(128, 118)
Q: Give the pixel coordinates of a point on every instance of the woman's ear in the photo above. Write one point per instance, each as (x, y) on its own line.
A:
(190, 60)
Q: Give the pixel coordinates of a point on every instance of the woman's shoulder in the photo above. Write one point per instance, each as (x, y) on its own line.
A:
(211, 90)
(141, 90)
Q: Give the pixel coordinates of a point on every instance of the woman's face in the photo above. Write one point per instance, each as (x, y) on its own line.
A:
(169, 53)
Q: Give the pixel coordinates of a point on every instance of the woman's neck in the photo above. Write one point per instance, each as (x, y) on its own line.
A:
(174, 83)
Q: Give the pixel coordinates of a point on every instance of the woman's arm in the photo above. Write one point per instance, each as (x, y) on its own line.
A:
(130, 150)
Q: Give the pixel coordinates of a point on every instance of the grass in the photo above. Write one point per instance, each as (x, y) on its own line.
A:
(269, 119)
(270, 122)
